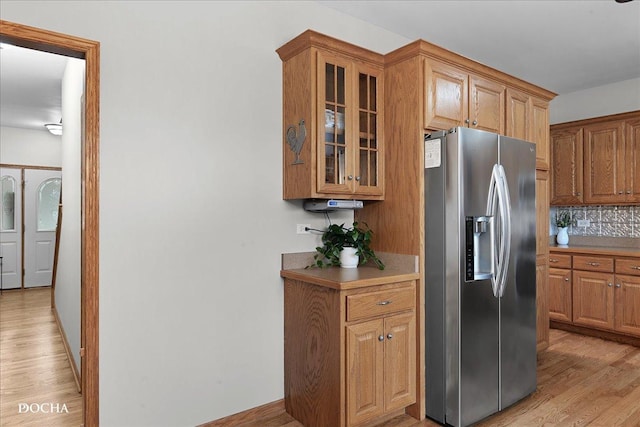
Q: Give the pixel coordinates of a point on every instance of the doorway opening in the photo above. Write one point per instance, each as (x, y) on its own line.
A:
(62, 44)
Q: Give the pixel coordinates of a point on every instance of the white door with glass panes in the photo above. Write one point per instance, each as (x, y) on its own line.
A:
(11, 227)
(41, 200)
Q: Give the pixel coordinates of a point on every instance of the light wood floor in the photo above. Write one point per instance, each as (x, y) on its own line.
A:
(582, 381)
(33, 364)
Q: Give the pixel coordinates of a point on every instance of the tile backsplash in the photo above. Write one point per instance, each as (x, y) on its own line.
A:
(604, 221)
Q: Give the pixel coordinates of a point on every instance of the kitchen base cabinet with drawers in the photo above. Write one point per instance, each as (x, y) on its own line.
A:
(349, 349)
(596, 295)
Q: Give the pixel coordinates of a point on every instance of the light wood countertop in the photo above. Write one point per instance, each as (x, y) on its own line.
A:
(399, 268)
(596, 250)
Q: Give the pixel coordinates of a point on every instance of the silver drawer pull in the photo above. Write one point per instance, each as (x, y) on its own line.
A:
(553, 260)
(635, 267)
(595, 264)
(384, 302)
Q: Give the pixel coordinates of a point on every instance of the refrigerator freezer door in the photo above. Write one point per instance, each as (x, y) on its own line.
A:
(518, 302)
(477, 309)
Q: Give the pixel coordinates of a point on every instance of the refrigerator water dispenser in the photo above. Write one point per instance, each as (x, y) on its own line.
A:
(479, 248)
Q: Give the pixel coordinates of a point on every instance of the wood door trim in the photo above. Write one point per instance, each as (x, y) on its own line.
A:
(48, 41)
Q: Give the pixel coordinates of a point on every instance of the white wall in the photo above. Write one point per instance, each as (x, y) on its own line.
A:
(595, 102)
(29, 147)
(68, 273)
(192, 221)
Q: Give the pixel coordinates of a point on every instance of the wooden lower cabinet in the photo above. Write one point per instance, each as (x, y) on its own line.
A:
(627, 304)
(542, 301)
(593, 299)
(380, 362)
(600, 293)
(349, 355)
(560, 295)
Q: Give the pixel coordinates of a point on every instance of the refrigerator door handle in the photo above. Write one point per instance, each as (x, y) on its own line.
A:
(504, 202)
(499, 206)
(492, 208)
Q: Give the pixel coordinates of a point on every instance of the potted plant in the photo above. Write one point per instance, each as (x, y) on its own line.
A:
(563, 221)
(338, 241)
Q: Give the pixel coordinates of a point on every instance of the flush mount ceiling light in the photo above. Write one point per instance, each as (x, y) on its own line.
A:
(54, 128)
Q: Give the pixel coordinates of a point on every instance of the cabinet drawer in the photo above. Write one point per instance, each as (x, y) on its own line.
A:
(593, 263)
(628, 266)
(559, 260)
(362, 306)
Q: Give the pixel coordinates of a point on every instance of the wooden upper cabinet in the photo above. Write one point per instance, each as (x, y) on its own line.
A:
(446, 97)
(518, 114)
(604, 163)
(454, 97)
(486, 105)
(528, 119)
(632, 168)
(540, 131)
(566, 167)
(332, 119)
(605, 170)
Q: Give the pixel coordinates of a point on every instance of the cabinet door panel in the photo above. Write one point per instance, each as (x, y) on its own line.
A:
(446, 96)
(365, 364)
(632, 187)
(627, 316)
(369, 158)
(486, 105)
(542, 213)
(566, 167)
(335, 130)
(604, 157)
(400, 361)
(560, 295)
(593, 299)
(540, 131)
(542, 302)
(518, 115)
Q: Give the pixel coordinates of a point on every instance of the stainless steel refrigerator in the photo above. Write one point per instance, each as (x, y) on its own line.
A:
(480, 274)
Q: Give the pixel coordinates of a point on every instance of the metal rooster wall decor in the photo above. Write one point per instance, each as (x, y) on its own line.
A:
(295, 139)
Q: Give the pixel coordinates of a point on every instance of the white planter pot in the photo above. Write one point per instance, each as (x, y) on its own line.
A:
(563, 237)
(349, 258)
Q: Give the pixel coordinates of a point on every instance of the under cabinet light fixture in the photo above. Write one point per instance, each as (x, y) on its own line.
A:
(54, 128)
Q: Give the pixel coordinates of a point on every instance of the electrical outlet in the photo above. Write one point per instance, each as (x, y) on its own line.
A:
(584, 223)
(302, 228)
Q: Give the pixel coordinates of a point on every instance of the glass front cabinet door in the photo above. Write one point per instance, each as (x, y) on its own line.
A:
(345, 83)
(348, 150)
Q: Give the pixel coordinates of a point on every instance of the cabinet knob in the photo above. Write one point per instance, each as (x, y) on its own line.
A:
(389, 336)
(628, 191)
(553, 260)
(475, 122)
(609, 285)
(620, 192)
(566, 279)
(357, 178)
(635, 267)
(467, 121)
(350, 177)
(381, 338)
(595, 264)
(577, 194)
(618, 285)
